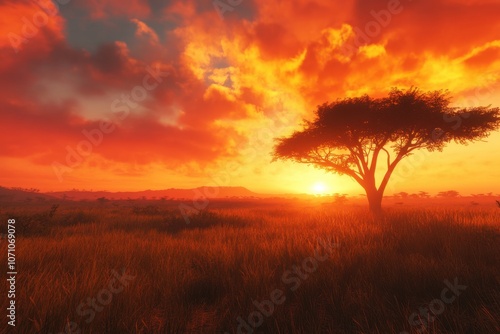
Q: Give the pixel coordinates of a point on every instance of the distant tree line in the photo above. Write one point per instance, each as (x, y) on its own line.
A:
(442, 194)
(29, 190)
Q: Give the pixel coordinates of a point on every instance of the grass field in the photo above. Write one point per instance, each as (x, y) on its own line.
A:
(249, 267)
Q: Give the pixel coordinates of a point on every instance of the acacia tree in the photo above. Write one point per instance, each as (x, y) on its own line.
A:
(351, 135)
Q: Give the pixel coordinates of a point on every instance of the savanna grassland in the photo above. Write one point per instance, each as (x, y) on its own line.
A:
(277, 267)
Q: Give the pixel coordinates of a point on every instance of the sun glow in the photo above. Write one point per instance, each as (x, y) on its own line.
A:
(319, 188)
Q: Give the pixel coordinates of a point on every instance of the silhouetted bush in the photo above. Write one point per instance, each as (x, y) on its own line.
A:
(147, 210)
(201, 220)
(75, 218)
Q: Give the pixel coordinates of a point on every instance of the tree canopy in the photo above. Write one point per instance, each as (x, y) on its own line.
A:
(349, 136)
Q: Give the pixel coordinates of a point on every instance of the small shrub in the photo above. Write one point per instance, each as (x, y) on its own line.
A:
(75, 218)
(147, 210)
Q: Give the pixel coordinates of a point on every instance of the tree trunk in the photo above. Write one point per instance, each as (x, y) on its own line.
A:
(374, 201)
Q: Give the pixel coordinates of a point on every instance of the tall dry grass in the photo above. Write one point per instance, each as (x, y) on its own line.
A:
(199, 278)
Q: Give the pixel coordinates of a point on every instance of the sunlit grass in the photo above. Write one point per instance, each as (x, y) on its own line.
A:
(199, 279)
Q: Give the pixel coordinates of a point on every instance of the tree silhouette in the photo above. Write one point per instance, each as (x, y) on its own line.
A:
(340, 199)
(448, 194)
(402, 194)
(351, 135)
(423, 194)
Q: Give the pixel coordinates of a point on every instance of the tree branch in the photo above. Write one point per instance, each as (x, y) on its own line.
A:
(388, 157)
(340, 167)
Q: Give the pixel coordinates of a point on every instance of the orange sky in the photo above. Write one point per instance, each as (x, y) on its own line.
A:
(164, 94)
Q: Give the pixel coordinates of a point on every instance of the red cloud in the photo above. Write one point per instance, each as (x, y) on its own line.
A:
(102, 9)
(225, 76)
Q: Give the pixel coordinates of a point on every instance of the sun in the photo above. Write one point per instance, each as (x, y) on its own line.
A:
(319, 188)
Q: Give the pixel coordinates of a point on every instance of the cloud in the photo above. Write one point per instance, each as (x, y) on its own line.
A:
(28, 26)
(143, 30)
(102, 9)
(264, 66)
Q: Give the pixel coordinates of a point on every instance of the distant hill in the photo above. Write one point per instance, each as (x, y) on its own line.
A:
(22, 195)
(210, 192)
